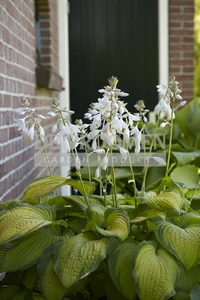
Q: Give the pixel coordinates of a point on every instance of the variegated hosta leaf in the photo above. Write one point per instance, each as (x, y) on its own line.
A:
(117, 223)
(18, 220)
(79, 256)
(155, 272)
(189, 278)
(181, 296)
(43, 186)
(168, 201)
(144, 212)
(183, 243)
(120, 263)
(96, 214)
(30, 248)
(49, 283)
(190, 219)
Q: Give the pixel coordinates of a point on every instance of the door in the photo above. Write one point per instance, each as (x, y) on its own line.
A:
(113, 37)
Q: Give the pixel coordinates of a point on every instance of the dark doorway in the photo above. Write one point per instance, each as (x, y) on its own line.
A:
(113, 37)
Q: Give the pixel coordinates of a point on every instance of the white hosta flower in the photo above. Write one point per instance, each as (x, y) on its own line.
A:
(116, 92)
(87, 116)
(97, 172)
(66, 145)
(58, 138)
(164, 124)
(30, 133)
(133, 118)
(21, 124)
(77, 162)
(137, 138)
(107, 136)
(126, 135)
(123, 152)
(52, 114)
(179, 97)
(163, 109)
(41, 132)
(40, 116)
(93, 134)
(54, 128)
(163, 90)
(104, 163)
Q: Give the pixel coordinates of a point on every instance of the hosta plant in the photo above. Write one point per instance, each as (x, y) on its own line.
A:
(129, 231)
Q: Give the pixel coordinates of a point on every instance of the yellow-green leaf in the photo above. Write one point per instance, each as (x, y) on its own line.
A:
(187, 175)
(167, 201)
(32, 247)
(120, 264)
(183, 243)
(117, 223)
(49, 283)
(189, 278)
(143, 212)
(155, 272)
(96, 214)
(79, 256)
(43, 187)
(18, 220)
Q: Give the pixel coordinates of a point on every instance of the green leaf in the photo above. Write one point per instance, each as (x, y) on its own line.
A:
(186, 157)
(111, 291)
(155, 272)
(49, 282)
(77, 224)
(181, 296)
(18, 220)
(89, 187)
(14, 293)
(79, 256)
(187, 175)
(31, 277)
(189, 219)
(75, 203)
(167, 201)
(6, 293)
(195, 293)
(43, 186)
(120, 263)
(143, 212)
(117, 223)
(188, 278)
(97, 285)
(158, 186)
(183, 243)
(32, 246)
(96, 214)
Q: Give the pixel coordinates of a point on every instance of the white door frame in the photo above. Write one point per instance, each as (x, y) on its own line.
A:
(163, 41)
(63, 56)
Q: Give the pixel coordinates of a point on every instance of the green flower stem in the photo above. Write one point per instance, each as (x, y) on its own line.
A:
(45, 152)
(84, 191)
(133, 180)
(150, 150)
(88, 165)
(114, 183)
(197, 186)
(170, 139)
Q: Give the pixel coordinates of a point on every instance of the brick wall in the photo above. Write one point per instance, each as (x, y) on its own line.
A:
(49, 35)
(17, 80)
(181, 44)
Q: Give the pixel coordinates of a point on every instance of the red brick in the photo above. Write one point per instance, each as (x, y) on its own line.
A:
(4, 136)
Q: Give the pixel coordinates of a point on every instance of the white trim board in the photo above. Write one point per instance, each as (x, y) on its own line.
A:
(163, 41)
(63, 54)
